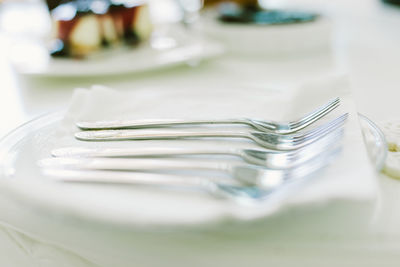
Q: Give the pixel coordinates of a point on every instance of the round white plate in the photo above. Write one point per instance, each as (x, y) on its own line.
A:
(34, 61)
(25, 146)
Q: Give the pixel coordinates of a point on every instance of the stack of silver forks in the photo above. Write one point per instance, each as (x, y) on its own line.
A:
(286, 155)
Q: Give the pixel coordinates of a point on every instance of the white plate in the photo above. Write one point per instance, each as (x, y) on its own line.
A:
(36, 62)
(72, 236)
(20, 151)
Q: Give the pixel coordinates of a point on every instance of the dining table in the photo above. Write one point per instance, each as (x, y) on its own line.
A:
(358, 42)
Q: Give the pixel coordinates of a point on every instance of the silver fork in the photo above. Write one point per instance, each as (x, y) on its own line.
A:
(266, 158)
(267, 140)
(249, 183)
(260, 125)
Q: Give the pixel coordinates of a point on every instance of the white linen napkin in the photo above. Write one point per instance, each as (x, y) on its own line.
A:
(349, 178)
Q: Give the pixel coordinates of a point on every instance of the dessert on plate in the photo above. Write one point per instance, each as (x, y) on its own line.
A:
(81, 27)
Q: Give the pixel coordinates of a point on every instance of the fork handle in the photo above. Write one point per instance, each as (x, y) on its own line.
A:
(139, 152)
(121, 177)
(119, 135)
(127, 124)
(198, 184)
(142, 165)
(133, 164)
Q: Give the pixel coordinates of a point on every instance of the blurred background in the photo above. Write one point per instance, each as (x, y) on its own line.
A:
(292, 40)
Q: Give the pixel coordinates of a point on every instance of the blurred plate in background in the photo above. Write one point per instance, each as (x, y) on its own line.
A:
(36, 62)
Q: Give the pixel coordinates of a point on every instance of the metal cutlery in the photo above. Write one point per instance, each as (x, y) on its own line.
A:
(260, 125)
(267, 140)
(251, 182)
(249, 175)
(267, 158)
(246, 194)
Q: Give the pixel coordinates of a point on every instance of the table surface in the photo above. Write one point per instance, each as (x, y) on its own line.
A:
(366, 48)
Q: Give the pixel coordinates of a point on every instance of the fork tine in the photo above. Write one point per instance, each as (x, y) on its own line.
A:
(321, 130)
(255, 194)
(322, 144)
(312, 120)
(315, 164)
(316, 114)
(316, 130)
(332, 103)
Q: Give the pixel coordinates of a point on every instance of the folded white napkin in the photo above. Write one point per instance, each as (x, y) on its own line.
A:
(350, 177)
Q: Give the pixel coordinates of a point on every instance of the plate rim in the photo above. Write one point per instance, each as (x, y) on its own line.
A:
(207, 49)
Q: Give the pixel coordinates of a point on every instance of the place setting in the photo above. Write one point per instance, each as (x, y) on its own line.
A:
(234, 160)
(257, 149)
